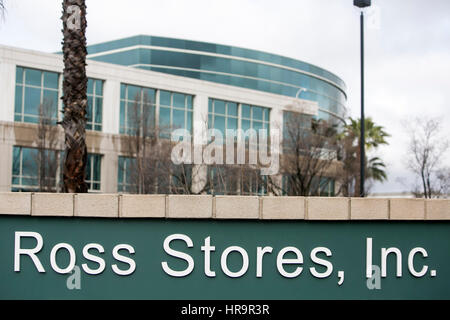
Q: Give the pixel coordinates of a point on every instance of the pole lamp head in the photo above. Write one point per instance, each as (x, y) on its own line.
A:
(362, 3)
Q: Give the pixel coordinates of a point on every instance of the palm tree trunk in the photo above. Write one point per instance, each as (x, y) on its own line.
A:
(74, 95)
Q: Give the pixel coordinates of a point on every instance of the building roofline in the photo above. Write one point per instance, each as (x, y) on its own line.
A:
(344, 87)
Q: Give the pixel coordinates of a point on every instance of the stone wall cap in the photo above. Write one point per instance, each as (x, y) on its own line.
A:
(222, 207)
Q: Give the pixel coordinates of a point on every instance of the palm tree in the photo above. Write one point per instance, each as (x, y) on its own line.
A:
(74, 95)
(376, 169)
(375, 136)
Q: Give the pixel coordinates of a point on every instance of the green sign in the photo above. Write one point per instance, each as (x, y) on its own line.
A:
(89, 258)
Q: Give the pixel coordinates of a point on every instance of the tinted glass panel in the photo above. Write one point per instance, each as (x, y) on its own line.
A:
(245, 111)
(99, 87)
(32, 100)
(134, 93)
(219, 107)
(189, 102)
(178, 119)
(219, 123)
(257, 113)
(33, 77)
(90, 86)
(178, 100)
(164, 98)
(18, 99)
(19, 75)
(232, 109)
(51, 80)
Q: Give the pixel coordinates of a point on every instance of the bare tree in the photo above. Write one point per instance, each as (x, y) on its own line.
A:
(309, 153)
(143, 148)
(443, 183)
(2, 8)
(48, 141)
(241, 179)
(426, 150)
(150, 169)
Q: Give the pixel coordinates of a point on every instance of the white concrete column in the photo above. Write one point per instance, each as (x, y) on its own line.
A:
(7, 85)
(200, 126)
(111, 106)
(276, 122)
(6, 152)
(109, 172)
(200, 120)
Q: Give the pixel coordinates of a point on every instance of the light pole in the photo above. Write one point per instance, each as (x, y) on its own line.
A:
(362, 4)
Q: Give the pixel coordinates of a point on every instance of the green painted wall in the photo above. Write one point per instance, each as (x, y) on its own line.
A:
(346, 240)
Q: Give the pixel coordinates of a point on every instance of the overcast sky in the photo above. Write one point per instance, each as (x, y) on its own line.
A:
(407, 47)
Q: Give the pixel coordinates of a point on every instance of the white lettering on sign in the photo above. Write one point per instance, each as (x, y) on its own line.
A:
(411, 255)
(321, 262)
(259, 259)
(396, 253)
(123, 259)
(72, 258)
(234, 261)
(223, 262)
(93, 258)
(207, 249)
(20, 251)
(178, 254)
(282, 261)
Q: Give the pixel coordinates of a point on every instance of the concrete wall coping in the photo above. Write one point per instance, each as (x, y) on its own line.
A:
(126, 206)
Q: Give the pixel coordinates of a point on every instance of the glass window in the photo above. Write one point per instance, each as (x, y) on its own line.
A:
(32, 101)
(49, 104)
(137, 110)
(232, 124)
(164, 118)
(179, 100)
(189, 102)
(245, 125)
(224, 115)
(175, 112)
(210, 106)
(95, 105)
(33, 77)
(232, 109)
(36, 95)
(19, 75)
(219, 123)
(257, 113)
(164, 98)
(178, 119)
(219, 107)
(34, 169)
(123, 90)
(51, 80)
(125, 181)
(134, 93)
(93, 171)
(99, 87)
(18, 100)
(245, 111)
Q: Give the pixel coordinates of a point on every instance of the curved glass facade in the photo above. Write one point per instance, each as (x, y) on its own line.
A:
(228, 65)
